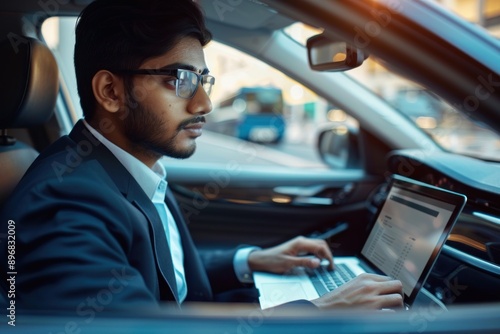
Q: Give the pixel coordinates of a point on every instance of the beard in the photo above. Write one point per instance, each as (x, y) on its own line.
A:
(146, 129)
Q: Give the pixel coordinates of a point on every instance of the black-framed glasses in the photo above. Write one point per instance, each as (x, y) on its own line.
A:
(186, 82)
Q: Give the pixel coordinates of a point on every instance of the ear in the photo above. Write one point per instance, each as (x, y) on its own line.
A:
(108, 90)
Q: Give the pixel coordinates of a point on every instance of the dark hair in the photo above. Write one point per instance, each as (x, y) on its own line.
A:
(121, 34)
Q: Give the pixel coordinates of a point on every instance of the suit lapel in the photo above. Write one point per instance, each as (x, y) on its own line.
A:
(135, 195)
(196, 276)
(161, 248)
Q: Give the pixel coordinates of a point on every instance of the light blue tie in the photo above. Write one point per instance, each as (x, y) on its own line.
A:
(173, 239)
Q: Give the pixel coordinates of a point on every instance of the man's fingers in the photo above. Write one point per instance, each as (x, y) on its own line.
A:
(306, 261)
(317, 247)
(391, 287)
(376, 277)
(392, 302)
(366, 291)
(389, 290)
(385, 284)
(303, 261)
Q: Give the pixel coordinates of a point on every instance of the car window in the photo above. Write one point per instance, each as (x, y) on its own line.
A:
(485, 13)
(59, 34)
(442, 121)
(253, 103)
(448, 127)
(257, 103)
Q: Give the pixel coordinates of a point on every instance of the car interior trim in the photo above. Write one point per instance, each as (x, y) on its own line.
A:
(471, 260)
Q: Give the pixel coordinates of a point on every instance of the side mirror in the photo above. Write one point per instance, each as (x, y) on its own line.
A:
(328, 55)
(338, 147)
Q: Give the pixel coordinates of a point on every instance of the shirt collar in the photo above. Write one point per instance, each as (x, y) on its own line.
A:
(151, 180)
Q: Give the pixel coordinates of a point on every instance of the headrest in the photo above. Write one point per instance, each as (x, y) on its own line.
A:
(29, 83)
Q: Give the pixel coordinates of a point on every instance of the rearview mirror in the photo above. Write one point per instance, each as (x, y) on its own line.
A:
(328, 55)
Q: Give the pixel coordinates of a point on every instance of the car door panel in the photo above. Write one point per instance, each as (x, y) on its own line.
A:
(225, 212)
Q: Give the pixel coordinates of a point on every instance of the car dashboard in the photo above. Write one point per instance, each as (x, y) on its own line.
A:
(468, 269)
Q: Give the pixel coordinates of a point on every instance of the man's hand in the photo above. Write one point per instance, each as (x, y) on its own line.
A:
(367, 291)
(284, 257)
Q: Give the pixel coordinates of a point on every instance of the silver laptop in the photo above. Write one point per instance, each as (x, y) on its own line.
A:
(406, 237)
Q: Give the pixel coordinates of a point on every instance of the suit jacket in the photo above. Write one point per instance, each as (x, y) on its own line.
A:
(85, 236)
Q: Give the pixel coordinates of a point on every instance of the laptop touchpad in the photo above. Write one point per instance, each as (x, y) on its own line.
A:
(280, 293)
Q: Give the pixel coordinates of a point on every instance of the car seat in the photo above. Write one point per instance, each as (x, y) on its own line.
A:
(29, 86)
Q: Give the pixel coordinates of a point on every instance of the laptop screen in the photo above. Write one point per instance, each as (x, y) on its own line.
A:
(410, 230)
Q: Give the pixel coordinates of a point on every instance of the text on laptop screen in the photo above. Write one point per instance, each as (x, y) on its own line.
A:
(405, 235)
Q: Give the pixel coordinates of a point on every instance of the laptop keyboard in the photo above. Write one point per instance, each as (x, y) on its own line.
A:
(325, 280)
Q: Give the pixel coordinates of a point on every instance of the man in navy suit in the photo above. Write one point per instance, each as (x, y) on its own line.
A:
(97, 228)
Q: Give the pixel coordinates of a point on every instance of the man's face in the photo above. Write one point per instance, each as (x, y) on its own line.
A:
(159, 122)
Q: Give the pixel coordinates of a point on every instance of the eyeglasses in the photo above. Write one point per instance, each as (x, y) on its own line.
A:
(186, 83)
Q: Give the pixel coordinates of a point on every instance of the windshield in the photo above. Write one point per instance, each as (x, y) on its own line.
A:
(442, 122)
(447, 126)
